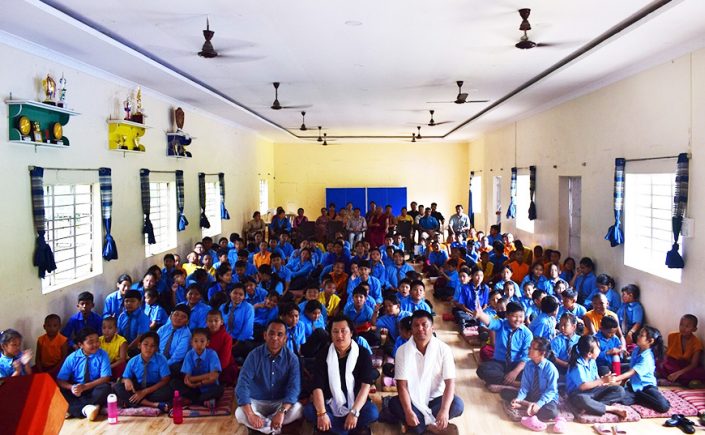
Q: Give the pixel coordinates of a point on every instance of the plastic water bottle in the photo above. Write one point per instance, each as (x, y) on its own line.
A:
(178, 411)
(616, 365)
(112, 409)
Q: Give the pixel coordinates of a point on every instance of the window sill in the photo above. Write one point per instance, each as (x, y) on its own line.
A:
(53, 288)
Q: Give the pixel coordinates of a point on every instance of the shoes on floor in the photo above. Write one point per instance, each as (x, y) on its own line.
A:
(91, 412)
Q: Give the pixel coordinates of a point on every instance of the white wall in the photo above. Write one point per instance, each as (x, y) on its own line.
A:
(647, 115)
(220, 147)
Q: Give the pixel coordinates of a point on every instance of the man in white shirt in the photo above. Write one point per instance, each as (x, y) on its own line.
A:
(356, 227)
(459, 223)
(425, 375)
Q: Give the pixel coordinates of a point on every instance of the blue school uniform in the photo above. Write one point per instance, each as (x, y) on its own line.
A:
(157, 369)
(218, 288)
(286, 248)
(232, 256)
(396, 274)
(6, 368)
(239, 321)
(519, 345)
(388, 262)
(562, 345)
(429, 223)
(453, 280)
(578, 311)
(131, 325)
(551, 287)
(166, 276)
(517, 289)
(606, 344)
(279, 225)
(613, 298)
(566, 275)
(359, 317)
(74, 367)
(411, 306)
(180, 295)
(257, 297)
(196, 365)
(363, 343)
(295, 337)
(310, 325)
(583, 371)
(468, 294)
(531, 309)
(156, 314)
(438, 258)
(301, 269)
(375, 293)
(180, 342)
(397, 344)
(78, 322)
(114, 305)
(539, 284)
(544, 325)
(265, 315)
(283, 273)
(324, 311)
(584, 285)
(644, 364)
(267, 286)
(199, 312)
(630, 314)
(379, 271)
(391, 323)
(250, 270)
(497, 260)
(543, 375)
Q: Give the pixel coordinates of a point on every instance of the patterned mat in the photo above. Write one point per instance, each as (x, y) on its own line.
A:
(678, 406)
(694, 397)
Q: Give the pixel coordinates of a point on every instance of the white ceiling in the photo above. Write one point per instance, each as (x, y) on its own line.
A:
(370, 79)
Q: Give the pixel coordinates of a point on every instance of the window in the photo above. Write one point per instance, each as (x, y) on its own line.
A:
(162, 210)
(73, 231)
(212, 210)
(497, 199)
(263, 197)
(648, 199)
(476, 189)
(522, 203)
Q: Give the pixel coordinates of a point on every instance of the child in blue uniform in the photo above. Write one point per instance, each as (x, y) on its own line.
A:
(587, 392)
(564, 342)
(133, 321)
(157, 315)
(85, 317)
(175, 339)
(641, 381)
(265, 312)
(544, 325)
(312, 317)
(631, 313)
(84, 377)
(610, 344)
(295, 330)
(145, 381)
(14, 362)
(584, 281)
(201, 370)
(416, 299)
(538, 392)
(113, 306)
(239, 318)
(605, 284)
(199, 309)
(361, 315)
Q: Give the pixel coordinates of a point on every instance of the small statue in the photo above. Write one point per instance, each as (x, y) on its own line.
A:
(138, 116)
(49, 86)
(127, 106)
(62, 91)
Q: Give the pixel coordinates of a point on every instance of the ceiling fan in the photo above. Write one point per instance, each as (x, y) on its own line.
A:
(462, 97)
(277, 106)
(524, 42)
(433, 123)
(207, 50)
(418, 135)
(325, 138)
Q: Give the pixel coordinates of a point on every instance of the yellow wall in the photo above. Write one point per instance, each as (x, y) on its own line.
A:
(430, 172)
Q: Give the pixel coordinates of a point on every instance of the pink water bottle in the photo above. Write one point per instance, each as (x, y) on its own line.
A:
(178, 411)
(616, 365)
(112, 409)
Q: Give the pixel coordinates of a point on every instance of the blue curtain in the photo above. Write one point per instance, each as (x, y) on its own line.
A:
(202, 199)
(181, 221)
(680, 201)
(512, 209)
(532, 193)
(471, 212)
(147, 228)
(615, 235)
(223, 211)
(43, 256)
(110, 251)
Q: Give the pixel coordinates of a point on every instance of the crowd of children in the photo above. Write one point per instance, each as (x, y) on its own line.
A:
(548, 326)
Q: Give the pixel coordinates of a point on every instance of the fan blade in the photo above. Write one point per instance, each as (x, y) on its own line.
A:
(477, 101)
(303, 106)
(439, 123)
(239, 58)
(439, 102)
(460, 99)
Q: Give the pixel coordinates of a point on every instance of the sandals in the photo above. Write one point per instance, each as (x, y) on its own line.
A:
(681, 422)
(533, 423)
(560, 426)
(163, 407)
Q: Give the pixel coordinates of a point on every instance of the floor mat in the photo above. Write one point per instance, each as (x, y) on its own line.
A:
(517, 414)
(632, 415)
(224, 406)
(678, 406)
(694, 397)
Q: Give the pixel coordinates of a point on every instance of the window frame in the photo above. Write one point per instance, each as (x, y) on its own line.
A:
(167, 190)
(476, 188)
(212, 209)
(263, 196)
(522, 201)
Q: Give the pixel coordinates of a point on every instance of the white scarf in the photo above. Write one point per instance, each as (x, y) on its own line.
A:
(420, 388)
(338, 403)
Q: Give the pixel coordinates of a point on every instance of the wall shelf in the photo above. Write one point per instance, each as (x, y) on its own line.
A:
(46, 114)
(176, 143)
(128, 133)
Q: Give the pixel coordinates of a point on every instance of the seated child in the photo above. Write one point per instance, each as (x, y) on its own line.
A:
(361, 315)
(610, 345)
(544, 325)
(222, 343)
(178, 290)
(538, 392)
(388, 324)
(313, 317)
(115, 346)
(83, 318)
(113, 305)
(584, 280)
(340, 278)
(505, 275)
(312, 293)
(157, 315)
(175, 339)
(14, 361)
(593, 318)
(587, 392)
(201, 370)
(133, 321)
(448, 281)
(295, 330)
(84, 377)
(631, 313)
(222, 285)
(682, 363)
(374, 295)
(265, 312)
(239, 317)
(145, 381)
(497, 309)
(562, 344)
(519, 268)
(533, 307)
(269, 280)
(191, 264)
(52, 347)
(641, 383)
(329, 300)
(510, 291)
(470, 291)
(199, 309)
(605, 285)
(511, 351)
(416, 300)
(404, 291)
